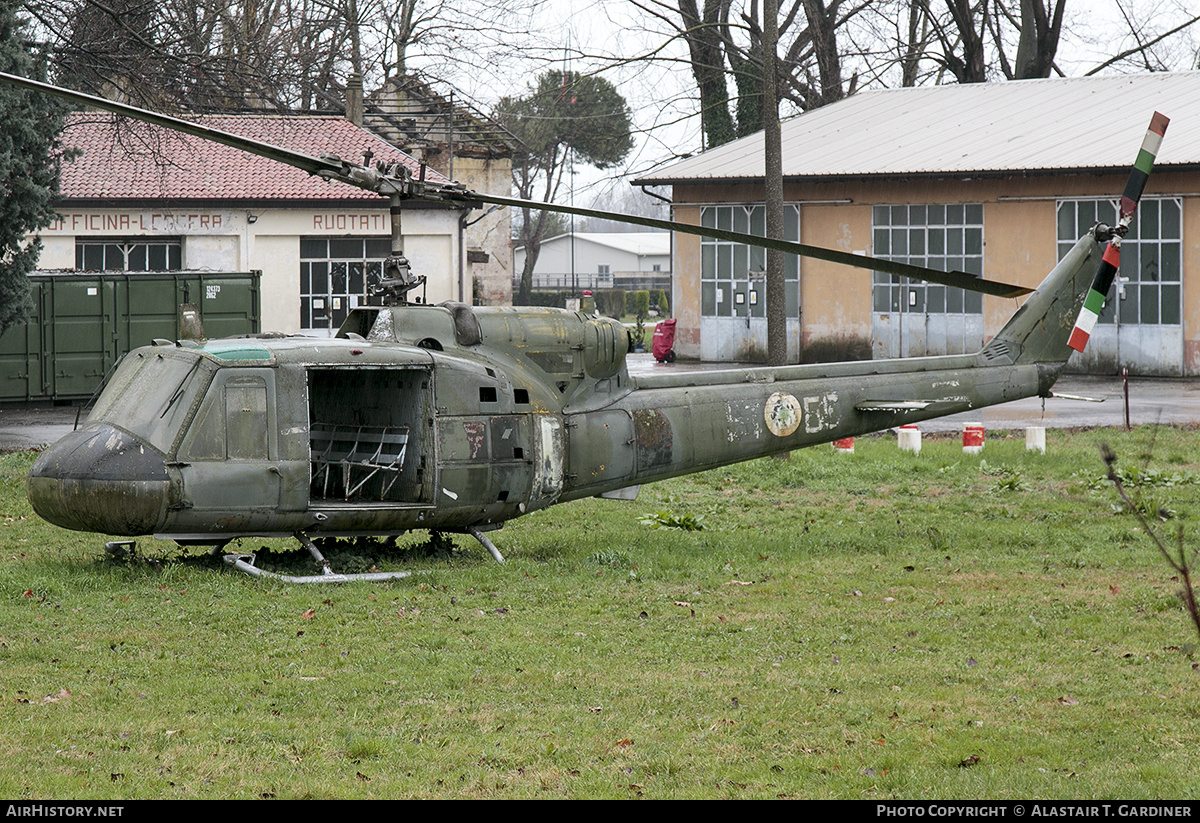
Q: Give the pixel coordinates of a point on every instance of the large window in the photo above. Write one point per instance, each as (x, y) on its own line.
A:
(336, 275)
(733, 275)
(945, 238)
(128, 254)
(1148, 290)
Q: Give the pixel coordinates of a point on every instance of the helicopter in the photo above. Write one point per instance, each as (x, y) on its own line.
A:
(453, 418)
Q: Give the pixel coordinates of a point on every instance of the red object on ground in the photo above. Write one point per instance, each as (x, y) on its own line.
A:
(664, 341)
(972, 439)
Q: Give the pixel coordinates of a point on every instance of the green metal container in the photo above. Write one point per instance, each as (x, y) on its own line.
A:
(83, 323)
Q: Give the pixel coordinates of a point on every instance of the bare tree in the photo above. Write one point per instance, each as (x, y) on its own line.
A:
(623, 199)
(200, 54)
(830, 48)
(1153, 45)
(274, 54)
(976, 41)
(725, 44)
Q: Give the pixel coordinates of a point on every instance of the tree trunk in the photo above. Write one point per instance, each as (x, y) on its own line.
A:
(822, 28)
(773, 178)
(1039, 39)
(708, 68)
(970, 67)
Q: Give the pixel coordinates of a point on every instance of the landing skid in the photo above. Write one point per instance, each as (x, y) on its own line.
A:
(245, 564)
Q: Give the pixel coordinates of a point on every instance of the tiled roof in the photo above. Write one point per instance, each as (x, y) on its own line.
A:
(121, 159)
(1019, 126)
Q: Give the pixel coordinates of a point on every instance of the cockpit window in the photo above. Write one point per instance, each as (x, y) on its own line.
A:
(151, 394)
(234, 420)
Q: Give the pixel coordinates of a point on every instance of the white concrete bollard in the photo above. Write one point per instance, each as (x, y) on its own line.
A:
(910, 438)
(1035, 439)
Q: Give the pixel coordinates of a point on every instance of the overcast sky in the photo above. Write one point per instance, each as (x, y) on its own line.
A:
(661, 92)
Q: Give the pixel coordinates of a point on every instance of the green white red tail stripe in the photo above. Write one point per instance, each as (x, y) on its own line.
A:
(1111, 261)
(1094, 302)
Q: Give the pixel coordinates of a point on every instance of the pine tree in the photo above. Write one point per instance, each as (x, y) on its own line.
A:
(566, 113)
(30, 156)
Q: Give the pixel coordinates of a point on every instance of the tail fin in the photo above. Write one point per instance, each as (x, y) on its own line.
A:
(1039, 331)
(1042, 330)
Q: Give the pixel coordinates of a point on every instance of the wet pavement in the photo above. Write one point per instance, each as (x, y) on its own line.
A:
(1150, 401)
(26, 427)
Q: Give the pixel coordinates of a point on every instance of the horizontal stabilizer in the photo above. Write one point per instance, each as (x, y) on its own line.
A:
(893, 405)
(627, 493)
(1061, 396)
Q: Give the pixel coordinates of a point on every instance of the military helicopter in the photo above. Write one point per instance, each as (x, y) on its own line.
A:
(457, 419)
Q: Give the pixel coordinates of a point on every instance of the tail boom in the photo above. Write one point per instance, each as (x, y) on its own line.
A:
(682, 422)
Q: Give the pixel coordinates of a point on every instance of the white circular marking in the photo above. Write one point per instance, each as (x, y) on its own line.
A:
(782, 414)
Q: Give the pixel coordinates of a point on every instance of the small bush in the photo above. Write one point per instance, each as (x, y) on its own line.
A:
(611, 302)
(641, 302)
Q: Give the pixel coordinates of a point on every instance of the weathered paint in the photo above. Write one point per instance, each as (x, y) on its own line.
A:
(479, 430)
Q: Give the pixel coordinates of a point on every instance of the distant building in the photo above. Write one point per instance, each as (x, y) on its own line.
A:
(994, 179)
(600, 260)
(464, 145)
(139, 198)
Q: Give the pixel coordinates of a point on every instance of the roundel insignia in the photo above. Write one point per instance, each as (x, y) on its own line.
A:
(782, 414)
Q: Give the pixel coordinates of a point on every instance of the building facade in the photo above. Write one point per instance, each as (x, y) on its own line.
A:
(462, 144)
(996, 180)
(137, 198)
(600, 260)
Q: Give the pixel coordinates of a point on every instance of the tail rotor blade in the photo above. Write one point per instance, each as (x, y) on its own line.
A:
(1142, 167)
(1093, 304)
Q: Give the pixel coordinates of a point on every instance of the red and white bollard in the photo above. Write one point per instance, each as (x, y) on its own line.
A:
(844, 446)
(972, 438)
(910, 438)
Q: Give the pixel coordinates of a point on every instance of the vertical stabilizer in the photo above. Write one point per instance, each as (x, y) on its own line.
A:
(1039, 331)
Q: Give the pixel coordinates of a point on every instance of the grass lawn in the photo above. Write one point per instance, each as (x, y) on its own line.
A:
(880, 625)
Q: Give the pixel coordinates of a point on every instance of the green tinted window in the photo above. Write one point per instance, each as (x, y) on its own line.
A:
(151, 394)
(732, 280)
(940, 237)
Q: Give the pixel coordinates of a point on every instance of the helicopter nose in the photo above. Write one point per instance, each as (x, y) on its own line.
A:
(100, 479)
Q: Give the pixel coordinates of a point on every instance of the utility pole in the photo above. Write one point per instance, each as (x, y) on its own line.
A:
(777, 354)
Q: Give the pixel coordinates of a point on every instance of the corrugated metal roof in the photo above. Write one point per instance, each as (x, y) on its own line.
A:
(957, 130)
(641, 243)
(121, 159)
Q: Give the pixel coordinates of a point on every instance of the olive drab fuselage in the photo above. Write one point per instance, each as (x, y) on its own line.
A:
(452, 418)
(458, 419)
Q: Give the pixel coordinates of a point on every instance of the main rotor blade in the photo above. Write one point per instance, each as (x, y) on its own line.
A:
(958, 279)
(383, 183)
